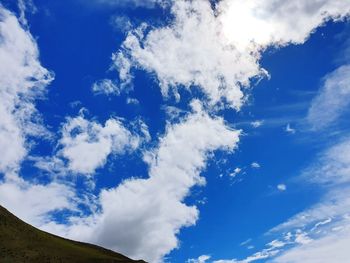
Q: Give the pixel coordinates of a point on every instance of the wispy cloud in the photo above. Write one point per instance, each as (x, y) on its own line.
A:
(105, 86)
(328, 219)
(332, 100)
(321, 232)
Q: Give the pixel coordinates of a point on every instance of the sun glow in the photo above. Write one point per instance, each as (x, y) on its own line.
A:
(243, 25)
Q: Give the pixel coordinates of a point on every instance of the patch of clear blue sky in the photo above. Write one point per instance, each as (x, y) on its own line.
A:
(76, 41)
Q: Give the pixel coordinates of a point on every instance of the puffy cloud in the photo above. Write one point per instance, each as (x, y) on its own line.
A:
(22, 79)
(192, 51)
(201, 47)
(152, 210)
(142, 217)
(210, 49)
(257, 24)
(332, 100)
(87, 144)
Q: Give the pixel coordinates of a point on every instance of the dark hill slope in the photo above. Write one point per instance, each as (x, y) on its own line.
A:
(20, 242)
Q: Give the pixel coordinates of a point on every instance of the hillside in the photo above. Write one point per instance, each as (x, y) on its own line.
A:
(20, 242)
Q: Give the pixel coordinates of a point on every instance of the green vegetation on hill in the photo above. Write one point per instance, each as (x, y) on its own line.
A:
(20, 242)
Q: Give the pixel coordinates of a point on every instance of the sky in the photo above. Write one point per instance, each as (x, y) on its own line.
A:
(180, 131)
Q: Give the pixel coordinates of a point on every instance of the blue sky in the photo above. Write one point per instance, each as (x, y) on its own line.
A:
(180, 131)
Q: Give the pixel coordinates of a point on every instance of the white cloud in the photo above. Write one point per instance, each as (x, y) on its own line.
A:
(264, 254)
(152, 210)
(87, 144)
(331, 172)
(236, 171)
(332, 168)
(226, 261)
(289, 129)
(302, 238)
(246, 242)
(142, 217)
(22, 79)
(191, 51)
(326, 224)
(25, 6)
(133, 101)
(321, 232)
(200, 259)
(255, 165)
(105, 86)
(332, 100)
(121, 23)
(276, 22)
(276, 244)
(211, 49)
(321, 223)
(332, 248)
(32, 202)
(257, 124)
(282, 187)
(208, 49)
(334, 205)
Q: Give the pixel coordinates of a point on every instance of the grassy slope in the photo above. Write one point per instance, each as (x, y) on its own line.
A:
(20, 242)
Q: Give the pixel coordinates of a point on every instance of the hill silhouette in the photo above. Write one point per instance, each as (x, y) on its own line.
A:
(21, 242)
